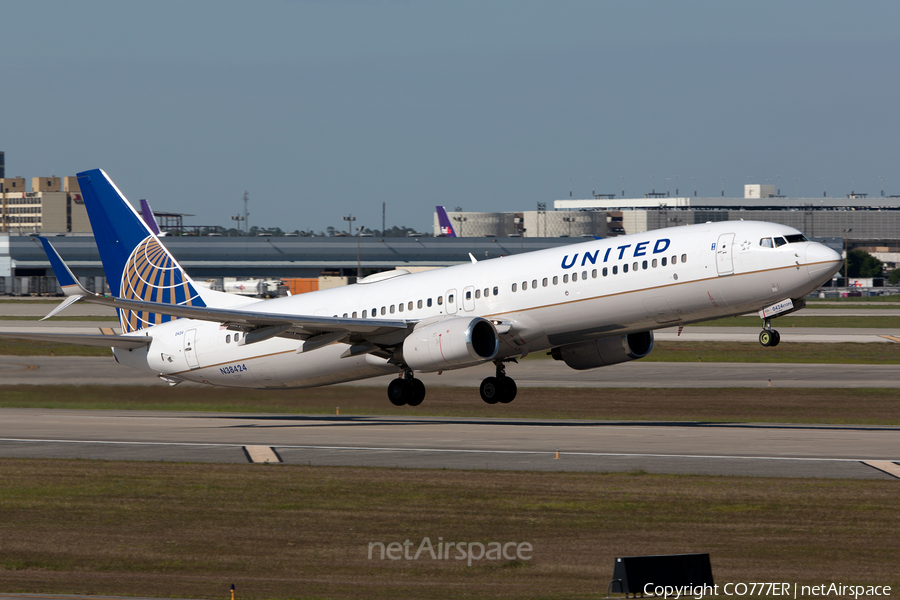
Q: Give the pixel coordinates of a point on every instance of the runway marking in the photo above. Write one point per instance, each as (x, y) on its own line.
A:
(893, 338)
(884, 466)
(563, 452)
(261, 454)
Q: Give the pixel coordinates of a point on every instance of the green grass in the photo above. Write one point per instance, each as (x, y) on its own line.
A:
(786, 352)
(860, 299)
(862, 321)
(872, 406)
(62, 318)
(13, 347)
(289, 532)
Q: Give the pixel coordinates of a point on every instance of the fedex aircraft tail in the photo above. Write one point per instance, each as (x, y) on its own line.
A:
(137, 265)
(444, 222)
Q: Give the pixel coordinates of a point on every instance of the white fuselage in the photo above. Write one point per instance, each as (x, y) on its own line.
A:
(540, 300)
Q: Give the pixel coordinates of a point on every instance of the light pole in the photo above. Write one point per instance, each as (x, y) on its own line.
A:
(460, 220)
(846, 257)
(569, 221)
(350, 219)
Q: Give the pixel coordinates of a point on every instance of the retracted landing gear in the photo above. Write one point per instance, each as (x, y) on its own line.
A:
(769, 337)
(406, 390)
(500, 388)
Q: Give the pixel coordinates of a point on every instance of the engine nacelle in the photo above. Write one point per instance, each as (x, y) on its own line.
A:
(605, 351)
(451, 343)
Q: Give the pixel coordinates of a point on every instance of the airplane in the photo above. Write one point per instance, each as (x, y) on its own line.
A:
(590, 304)
(150, 220)
(444, 221)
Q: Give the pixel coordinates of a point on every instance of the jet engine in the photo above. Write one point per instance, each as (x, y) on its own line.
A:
(451, 343)
(605, 351)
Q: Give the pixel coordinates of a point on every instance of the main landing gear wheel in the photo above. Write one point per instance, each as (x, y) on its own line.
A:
(406, 391)
(500, 388)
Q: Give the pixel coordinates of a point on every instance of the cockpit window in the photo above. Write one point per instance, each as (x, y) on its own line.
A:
(766, 243)
(794, 239)
(779, 241)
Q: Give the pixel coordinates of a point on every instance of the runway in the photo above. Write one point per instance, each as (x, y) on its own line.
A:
(456, 443)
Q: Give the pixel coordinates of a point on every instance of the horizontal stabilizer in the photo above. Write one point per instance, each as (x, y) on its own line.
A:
(108, 341)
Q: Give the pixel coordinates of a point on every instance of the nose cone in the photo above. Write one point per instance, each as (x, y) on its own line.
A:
(822, 262)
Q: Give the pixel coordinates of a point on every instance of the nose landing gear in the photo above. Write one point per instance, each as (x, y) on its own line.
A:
(769, 337)
(501, 388)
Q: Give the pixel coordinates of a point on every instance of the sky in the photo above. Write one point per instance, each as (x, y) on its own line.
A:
(321, 109)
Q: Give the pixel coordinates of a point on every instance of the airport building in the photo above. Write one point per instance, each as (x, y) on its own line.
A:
(872, 224)
(53, 205)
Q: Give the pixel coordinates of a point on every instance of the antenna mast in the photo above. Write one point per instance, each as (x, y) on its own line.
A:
(246, 212)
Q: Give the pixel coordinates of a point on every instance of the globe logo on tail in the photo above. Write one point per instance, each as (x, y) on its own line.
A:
(151, 274)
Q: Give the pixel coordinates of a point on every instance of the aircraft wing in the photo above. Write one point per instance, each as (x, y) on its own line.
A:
(106, 341)
(259, 325)
(251, 319)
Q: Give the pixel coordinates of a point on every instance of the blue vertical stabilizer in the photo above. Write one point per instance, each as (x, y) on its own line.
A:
(137, 265)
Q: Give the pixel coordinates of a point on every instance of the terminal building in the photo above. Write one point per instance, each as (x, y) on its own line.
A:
(53, 205)
(855, 220)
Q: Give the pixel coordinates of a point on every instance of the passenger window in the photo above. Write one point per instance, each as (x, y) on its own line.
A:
(663, 261)
(409, 306)
(653, 264)
(566, 278)
(583, 275)
(354, 314)
(400, 307)
(574, 276)
(345, 315)
(468, 295)
(440, 300)
(419, 304)
(634, 267)
(228, 339)
(555, 280)
(766, 243)
(615, 269)
(449, 298)
(524, 285)
(534, 284)
(477, 294)
(383, 310)
(365, 314)
(625, 268)
(605, 271)
(374, 312)
(674, 260)
(496, 290)
(513, 287)
(392, 309)
(544, 282)
(428, 302)
(487, 292)
(594, 274)
(237, 337)
(644, 265)
(684, 258)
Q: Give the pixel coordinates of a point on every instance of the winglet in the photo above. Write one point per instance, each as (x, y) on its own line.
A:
(64, 276)
(474, 260)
